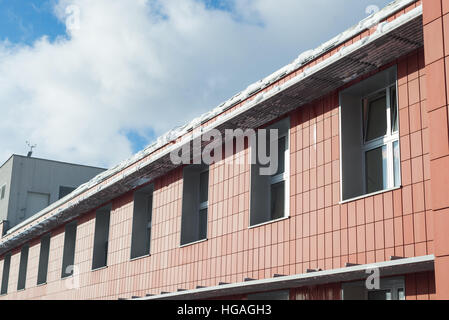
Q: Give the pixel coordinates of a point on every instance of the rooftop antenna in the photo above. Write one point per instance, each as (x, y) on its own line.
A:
(31, 148)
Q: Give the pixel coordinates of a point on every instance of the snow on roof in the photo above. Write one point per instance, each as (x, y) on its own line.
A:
(302, 60)
(172, 135)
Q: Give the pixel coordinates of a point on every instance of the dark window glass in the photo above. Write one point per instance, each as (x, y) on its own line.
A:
(43, 259)
(194, 203)
(376, 169)
(68, 258)
(63, 191)
(142, 216)
(282, 146)
(204, 186)
(277, 200)
(23, 267)
(5, 276)
(203, 224)
(379, 295)
(101, 238)
(2, 193)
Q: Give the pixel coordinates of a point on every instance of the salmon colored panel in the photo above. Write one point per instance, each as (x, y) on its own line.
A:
(418, 197)
(438, 134)
(440, 181)
(436, 85)
(442, 276)
(441, 221)
(416, 144)
(388, 205)
(415, 117)
(412, 69)
(402, 72)
(408, 229)
(431, 10)
(379, 235)
(433, 33)
(389, 233)
(413, 91)
(402, 102)
(446, 34)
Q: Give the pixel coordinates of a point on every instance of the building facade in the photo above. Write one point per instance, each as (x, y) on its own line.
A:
(359, 193)
(28, 185)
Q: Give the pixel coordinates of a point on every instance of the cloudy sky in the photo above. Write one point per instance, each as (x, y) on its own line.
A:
(94, 81)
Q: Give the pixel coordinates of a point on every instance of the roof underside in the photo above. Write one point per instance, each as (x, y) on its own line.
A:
(392, 41)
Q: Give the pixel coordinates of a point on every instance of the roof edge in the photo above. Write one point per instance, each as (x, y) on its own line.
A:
(382, 29)
(426, 262)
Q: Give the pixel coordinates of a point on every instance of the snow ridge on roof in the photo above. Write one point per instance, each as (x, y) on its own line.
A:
(300, 61)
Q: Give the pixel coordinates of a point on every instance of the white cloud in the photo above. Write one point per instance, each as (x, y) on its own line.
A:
(144, 65)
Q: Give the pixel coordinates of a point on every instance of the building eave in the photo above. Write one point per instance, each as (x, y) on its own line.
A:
(352, 273)
(391, 40)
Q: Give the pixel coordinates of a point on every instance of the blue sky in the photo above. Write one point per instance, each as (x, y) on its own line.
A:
(23, 21)
(105, 91)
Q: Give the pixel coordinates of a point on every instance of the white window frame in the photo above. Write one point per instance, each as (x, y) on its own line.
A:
(387, 140)
(284, 177)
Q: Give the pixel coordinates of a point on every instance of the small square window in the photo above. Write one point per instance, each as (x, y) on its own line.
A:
(64, 191)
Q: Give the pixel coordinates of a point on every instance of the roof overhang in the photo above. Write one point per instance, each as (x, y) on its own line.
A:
(391, 41)
(386, 269)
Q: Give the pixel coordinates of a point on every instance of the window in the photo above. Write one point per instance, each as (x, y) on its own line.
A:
(68, 258)
(63, 191)
(142, 216)
(194, 203)
(381, 140)
(270, 193)
(370, 136)
(23, 267)
(101, 237)
(2, 192)
(273, 295)
(390, 289)
(43, 259)
(5, 276)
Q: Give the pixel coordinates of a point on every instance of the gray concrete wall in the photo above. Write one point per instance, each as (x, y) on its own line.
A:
(41, 177)
(5, 179)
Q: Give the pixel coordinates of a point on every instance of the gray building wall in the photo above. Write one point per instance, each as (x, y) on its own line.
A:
(5, 180)
(35, 183)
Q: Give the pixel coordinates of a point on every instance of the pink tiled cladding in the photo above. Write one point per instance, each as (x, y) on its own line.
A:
(320, 232)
